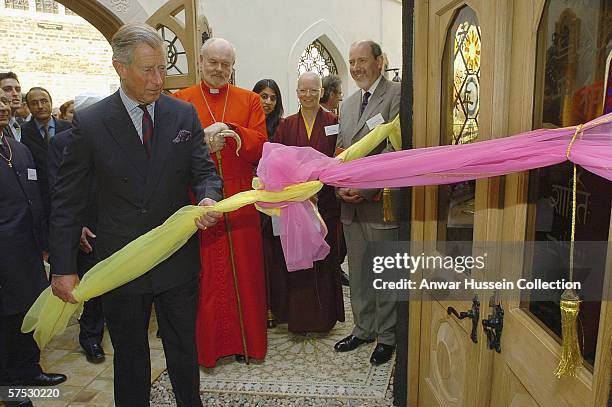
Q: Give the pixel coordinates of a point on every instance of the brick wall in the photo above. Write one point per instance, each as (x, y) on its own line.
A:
(66, 61)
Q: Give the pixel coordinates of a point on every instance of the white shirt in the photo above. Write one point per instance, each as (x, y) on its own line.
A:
(135, 112)
(372, 88)
(15, 131)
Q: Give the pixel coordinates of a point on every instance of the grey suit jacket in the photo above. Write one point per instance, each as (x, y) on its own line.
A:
(386, 101)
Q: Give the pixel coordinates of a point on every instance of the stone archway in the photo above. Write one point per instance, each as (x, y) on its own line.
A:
(96, 14)
(177, 17)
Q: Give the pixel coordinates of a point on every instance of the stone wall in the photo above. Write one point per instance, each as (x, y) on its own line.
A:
(62, 53)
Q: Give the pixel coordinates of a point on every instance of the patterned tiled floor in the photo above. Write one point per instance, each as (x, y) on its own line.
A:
(89, 384)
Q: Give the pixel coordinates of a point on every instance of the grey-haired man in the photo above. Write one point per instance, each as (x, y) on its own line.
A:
(145, 151)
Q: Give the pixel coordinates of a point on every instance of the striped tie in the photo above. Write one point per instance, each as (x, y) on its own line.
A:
(364, 102)
(4, 147)
(147, 129)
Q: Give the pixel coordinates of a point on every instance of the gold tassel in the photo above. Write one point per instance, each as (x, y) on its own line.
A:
(571, 358)
(387, 206)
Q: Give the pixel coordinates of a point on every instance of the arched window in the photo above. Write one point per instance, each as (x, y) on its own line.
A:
(460, 107)
(316, 58)
(177, 57)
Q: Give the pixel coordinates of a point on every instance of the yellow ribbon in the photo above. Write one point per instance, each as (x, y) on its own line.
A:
(49, 315)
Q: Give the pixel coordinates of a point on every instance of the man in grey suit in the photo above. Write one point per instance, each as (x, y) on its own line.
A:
(376, 102)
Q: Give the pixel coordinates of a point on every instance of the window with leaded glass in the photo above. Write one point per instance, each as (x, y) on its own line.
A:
(177, 57)
(572, 69)
(47, 6)
(316, 58)
(17, 4)
(459, 120)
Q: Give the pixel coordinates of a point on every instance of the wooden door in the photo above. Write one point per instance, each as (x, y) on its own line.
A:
(457, 83)
(176, 22)
(558, 51)
(445, 367)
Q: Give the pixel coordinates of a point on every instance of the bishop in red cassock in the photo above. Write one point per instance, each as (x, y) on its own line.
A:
(231, 317)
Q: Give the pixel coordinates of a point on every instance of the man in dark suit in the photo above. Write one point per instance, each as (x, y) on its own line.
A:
(145, 151)
(377, 101)
(22, 275)
(36, 135)
(91, 321)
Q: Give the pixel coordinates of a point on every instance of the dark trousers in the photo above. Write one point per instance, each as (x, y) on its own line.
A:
(127, 318)
(19, 354)
(92, 318)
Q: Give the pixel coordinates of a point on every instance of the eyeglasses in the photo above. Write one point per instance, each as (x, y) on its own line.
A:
(305, 92)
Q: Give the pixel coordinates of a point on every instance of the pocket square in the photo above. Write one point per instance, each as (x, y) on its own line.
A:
(182, 136)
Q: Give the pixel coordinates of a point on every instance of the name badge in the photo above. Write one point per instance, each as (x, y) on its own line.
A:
(32, 174)
(276, 229)
(332, 130)
(375, 121)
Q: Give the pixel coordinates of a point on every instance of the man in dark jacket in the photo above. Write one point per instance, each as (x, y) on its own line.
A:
(36, 135)
(22, 275)
(145, 151)
(91, 322)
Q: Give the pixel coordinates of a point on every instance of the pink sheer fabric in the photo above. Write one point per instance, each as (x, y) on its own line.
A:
(302, 231)
(303, 243)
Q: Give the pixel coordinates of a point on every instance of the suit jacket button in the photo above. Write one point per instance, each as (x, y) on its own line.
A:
(143, 211)
(124, 180)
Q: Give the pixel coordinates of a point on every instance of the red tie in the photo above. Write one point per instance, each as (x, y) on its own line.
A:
(147, 129)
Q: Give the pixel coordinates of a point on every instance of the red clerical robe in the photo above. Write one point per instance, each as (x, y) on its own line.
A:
(218, 331)
(310, 300)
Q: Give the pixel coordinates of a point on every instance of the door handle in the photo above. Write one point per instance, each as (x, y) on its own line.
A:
(493, 326)
(473, 314)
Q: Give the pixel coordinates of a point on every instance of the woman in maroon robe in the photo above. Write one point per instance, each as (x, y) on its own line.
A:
(310, 300)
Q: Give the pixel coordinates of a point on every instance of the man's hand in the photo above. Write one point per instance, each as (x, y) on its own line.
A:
(350, 195)
(213, 141)
(209, 219)
(84, 243)
(62, 286)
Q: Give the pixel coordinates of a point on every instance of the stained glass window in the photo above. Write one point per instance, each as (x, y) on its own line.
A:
(17, 4)
(465, 59)
(316, 58)
(177, 57)
(47, 6)
(460, 108)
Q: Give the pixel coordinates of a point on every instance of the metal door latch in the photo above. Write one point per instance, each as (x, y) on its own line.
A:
(493, 326)
(473, 314)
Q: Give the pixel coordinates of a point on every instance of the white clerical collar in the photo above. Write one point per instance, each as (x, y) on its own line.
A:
(211, 90)
(373, 87)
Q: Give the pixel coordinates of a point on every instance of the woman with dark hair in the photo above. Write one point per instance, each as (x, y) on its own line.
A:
(272, 104)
